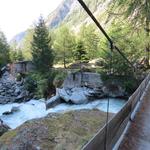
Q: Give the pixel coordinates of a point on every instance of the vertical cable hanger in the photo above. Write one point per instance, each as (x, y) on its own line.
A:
(108, 100)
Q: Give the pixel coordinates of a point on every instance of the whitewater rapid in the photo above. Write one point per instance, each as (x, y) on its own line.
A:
(37, 109)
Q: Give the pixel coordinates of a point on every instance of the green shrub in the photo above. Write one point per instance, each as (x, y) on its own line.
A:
(59, 78)
(30, 83)
(128, 83)
(43, 85)
(18, 77)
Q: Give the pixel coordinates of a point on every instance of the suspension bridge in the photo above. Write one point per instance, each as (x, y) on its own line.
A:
(129, 129)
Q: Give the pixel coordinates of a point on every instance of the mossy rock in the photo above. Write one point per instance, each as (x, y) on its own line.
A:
(71, 130)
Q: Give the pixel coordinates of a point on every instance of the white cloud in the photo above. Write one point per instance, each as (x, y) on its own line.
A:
(18, 15)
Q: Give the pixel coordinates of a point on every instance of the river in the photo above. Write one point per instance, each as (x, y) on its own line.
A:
(37, 109)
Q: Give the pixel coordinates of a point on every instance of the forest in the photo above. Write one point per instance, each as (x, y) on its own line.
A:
(49, 48)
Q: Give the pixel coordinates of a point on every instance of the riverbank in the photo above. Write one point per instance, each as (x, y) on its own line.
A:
(71, 130)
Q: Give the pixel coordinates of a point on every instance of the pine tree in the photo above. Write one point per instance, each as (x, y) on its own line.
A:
(138, 13)
(4, 50)
(26, 44)
(80, 52)
(42, 52)
(90, 38)
(20, 55)
(64, 44)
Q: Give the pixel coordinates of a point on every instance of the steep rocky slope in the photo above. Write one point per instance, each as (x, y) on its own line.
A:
(69, 12)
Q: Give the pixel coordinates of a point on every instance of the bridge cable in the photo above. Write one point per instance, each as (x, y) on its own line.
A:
(104, 32)
(108, 100)
(112, 47)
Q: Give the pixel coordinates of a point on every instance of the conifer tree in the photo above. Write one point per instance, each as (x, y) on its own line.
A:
(80, 52)
(42, 52)
(64, 45)
(4, 50)
(20, 55)
(138, 13)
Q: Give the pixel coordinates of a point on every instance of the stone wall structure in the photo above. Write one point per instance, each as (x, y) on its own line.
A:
(21, 67)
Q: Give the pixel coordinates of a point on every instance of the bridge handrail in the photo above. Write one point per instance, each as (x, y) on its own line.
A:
(117, 124)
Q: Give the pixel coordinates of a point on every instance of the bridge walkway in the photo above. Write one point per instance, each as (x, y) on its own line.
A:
(137, 136)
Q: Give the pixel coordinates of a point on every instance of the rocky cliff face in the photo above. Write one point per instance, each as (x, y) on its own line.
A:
(60, 13)
(71, 13)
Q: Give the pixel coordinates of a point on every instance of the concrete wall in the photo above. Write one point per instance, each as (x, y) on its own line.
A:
(21, 67)
(80, 79)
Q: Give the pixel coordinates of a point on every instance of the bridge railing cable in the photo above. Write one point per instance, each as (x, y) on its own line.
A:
(117, 124)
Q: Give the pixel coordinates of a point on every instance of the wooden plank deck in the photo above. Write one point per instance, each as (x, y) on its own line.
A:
(138, 134)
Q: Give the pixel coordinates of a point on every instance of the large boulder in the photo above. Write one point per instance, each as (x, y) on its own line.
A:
(76, 95)
(64, 94)
(113, 90)
(53, 101)
(82, 87)
(79, 96)
(69, 131)
(3, 128)
(13, 110)
(78, 88)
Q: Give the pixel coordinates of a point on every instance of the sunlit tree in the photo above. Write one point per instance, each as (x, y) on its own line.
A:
(42, 52)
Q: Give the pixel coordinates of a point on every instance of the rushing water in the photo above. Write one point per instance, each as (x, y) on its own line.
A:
(37, 109)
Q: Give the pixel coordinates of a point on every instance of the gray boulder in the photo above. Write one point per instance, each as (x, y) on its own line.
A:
(78, 88)
(76, 95)
(12, 91)
(15, 109)
(113, 90)
(3, 128)
(52, 102)
(63, 94)
(79, 96)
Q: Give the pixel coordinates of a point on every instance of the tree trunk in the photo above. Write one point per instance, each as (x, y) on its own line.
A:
(64, 60)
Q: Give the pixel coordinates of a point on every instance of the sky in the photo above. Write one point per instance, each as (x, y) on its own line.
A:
(18, 15)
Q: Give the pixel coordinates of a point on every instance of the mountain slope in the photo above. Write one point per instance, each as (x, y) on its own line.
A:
(70, 13)
(60, 13)
(17, 39)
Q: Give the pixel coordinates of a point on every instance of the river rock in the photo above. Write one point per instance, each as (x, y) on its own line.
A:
(76, 95)
(15, 109)
(11, 90)
(79, 95)
(52, 102)
(82, 87)
(17, 91)
(3, 128)
(7, 113)
(113, 90)
(64, 94)
(78, 88)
